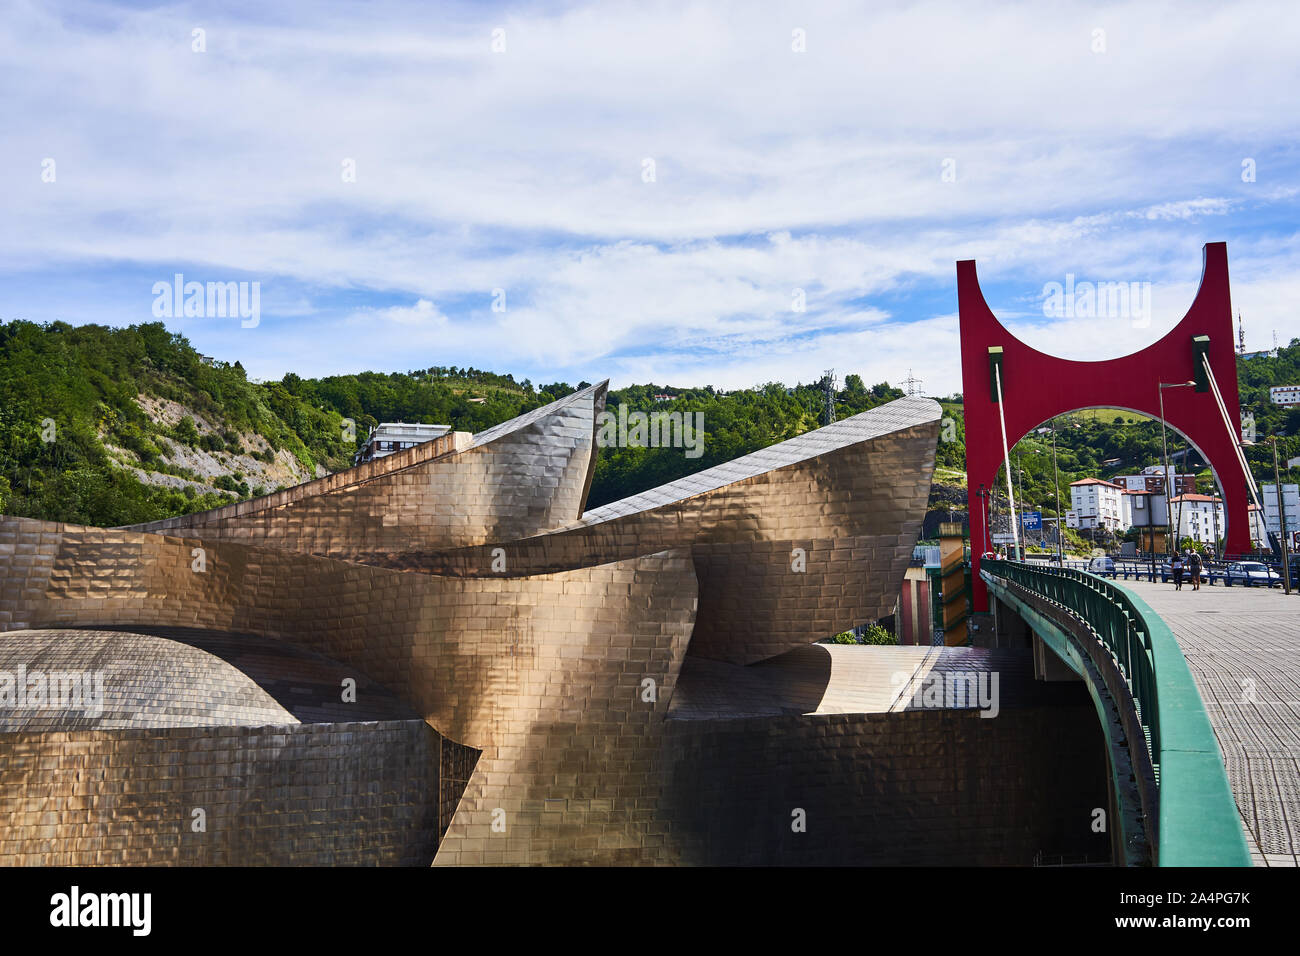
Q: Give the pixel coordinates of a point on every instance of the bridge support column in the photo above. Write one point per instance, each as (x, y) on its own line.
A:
(1048, 666)
(1009, 628)
(980, 627)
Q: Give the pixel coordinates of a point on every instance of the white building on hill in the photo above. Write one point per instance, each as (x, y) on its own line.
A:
(1099, 504)
(1199, 517)
(1284, 394)
(395, 436)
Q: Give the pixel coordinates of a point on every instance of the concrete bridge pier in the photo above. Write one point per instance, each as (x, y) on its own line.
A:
(1011, 630)
(1000, 627)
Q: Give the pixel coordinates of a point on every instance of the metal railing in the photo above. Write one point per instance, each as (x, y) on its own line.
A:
(1198, 819)
(1110, 613)
(1213, 572)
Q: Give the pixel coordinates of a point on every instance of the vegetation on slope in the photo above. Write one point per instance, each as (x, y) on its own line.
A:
(79, 425)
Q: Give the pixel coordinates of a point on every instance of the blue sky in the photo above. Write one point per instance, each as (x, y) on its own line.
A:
(1110, 155)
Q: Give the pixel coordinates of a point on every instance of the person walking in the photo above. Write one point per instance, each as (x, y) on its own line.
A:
(1177, 568)
(1194, 563)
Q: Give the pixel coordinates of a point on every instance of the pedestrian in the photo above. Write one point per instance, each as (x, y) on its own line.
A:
(1194, 563)
(1178, 571)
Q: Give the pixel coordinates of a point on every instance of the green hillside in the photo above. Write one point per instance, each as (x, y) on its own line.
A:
(116, 426)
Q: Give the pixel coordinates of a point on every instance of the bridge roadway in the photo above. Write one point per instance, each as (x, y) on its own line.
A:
(1243, 648)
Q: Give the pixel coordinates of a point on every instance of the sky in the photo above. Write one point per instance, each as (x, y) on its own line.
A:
(645, 191)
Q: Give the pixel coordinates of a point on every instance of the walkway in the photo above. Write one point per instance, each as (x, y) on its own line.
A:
(1243, 648)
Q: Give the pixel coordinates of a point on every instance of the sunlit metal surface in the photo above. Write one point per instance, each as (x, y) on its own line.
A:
(547, 686)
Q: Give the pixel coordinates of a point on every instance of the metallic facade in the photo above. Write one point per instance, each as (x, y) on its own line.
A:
(535, 685)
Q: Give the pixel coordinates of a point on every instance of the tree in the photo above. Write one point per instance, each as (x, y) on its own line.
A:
(876, 634)
(186, 433)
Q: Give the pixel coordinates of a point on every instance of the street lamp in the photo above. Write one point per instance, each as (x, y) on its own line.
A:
(1019, 525)
(1281, 517)
(1056, 484)
(1164, 444)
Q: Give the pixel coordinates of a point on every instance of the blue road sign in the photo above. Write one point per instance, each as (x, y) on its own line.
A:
(1032, 521)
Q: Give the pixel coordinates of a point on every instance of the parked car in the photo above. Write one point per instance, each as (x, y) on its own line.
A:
(1251, 574)
(1102, 565)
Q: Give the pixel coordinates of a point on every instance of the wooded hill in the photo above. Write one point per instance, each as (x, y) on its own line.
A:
(109, 426)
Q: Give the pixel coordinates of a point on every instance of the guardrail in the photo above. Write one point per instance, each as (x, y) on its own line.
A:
(1212, 572)
(1198, 821)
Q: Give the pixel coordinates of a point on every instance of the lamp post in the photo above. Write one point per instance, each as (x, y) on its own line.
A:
(1281, 518)
(1214, 513)
(1056, 485)
(1164, 444)
(1020, 495)
(1151, 538)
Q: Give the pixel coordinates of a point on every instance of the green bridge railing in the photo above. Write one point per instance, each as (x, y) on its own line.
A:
(1199, 824)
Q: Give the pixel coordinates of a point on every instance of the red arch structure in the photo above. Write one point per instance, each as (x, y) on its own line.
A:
(1037, 387)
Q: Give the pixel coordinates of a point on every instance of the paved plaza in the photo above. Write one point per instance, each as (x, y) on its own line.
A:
(1243, 647)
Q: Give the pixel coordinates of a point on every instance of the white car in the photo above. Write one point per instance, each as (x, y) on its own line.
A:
(1251, 574)
(1102, 565)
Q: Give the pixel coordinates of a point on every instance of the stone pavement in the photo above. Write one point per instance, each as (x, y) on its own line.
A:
(1243, 647)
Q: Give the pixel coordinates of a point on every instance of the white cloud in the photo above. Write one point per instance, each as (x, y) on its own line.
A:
(775, 170)
(423, 315)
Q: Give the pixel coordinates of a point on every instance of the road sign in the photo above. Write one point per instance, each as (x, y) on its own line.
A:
(1071, 519)
(1002, 537)
(1032, 521)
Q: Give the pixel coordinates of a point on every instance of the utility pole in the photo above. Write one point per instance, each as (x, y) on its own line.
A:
(996, 497)
(1020, 494)
(1281, 517)
(1056, 484)
(1214, 511)
(993, 496)
(1164, 444)
(1177, 545)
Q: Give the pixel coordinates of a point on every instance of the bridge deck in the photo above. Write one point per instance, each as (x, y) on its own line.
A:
(1243, 648)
